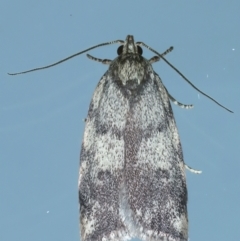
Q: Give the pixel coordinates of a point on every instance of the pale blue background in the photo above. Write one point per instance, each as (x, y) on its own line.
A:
(41, 120)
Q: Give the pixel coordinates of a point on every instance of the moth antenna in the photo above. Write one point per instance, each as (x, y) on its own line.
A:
(188, 81)
(72, 56)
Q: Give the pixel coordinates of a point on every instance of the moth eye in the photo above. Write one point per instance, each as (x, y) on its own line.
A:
(140, 51)
(120, 50)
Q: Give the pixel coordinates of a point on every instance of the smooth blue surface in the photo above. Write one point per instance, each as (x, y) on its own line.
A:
(41, 119)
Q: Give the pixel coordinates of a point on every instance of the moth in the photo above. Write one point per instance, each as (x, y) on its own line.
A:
(132, 180)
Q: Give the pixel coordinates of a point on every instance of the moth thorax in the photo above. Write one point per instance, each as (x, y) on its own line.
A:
(131, 73)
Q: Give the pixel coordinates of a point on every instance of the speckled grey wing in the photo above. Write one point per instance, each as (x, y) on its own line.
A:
(154, 171)
(102, 163)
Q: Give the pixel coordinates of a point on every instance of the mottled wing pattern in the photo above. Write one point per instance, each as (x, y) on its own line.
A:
(102, 163)
(154, 172)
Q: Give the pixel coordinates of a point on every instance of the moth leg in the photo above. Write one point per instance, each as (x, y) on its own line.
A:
(192, 170)
(178, 103)
(103, 61)
(154, 59)
(157, 58)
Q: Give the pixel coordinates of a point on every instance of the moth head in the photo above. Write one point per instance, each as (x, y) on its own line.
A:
(129, 47)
